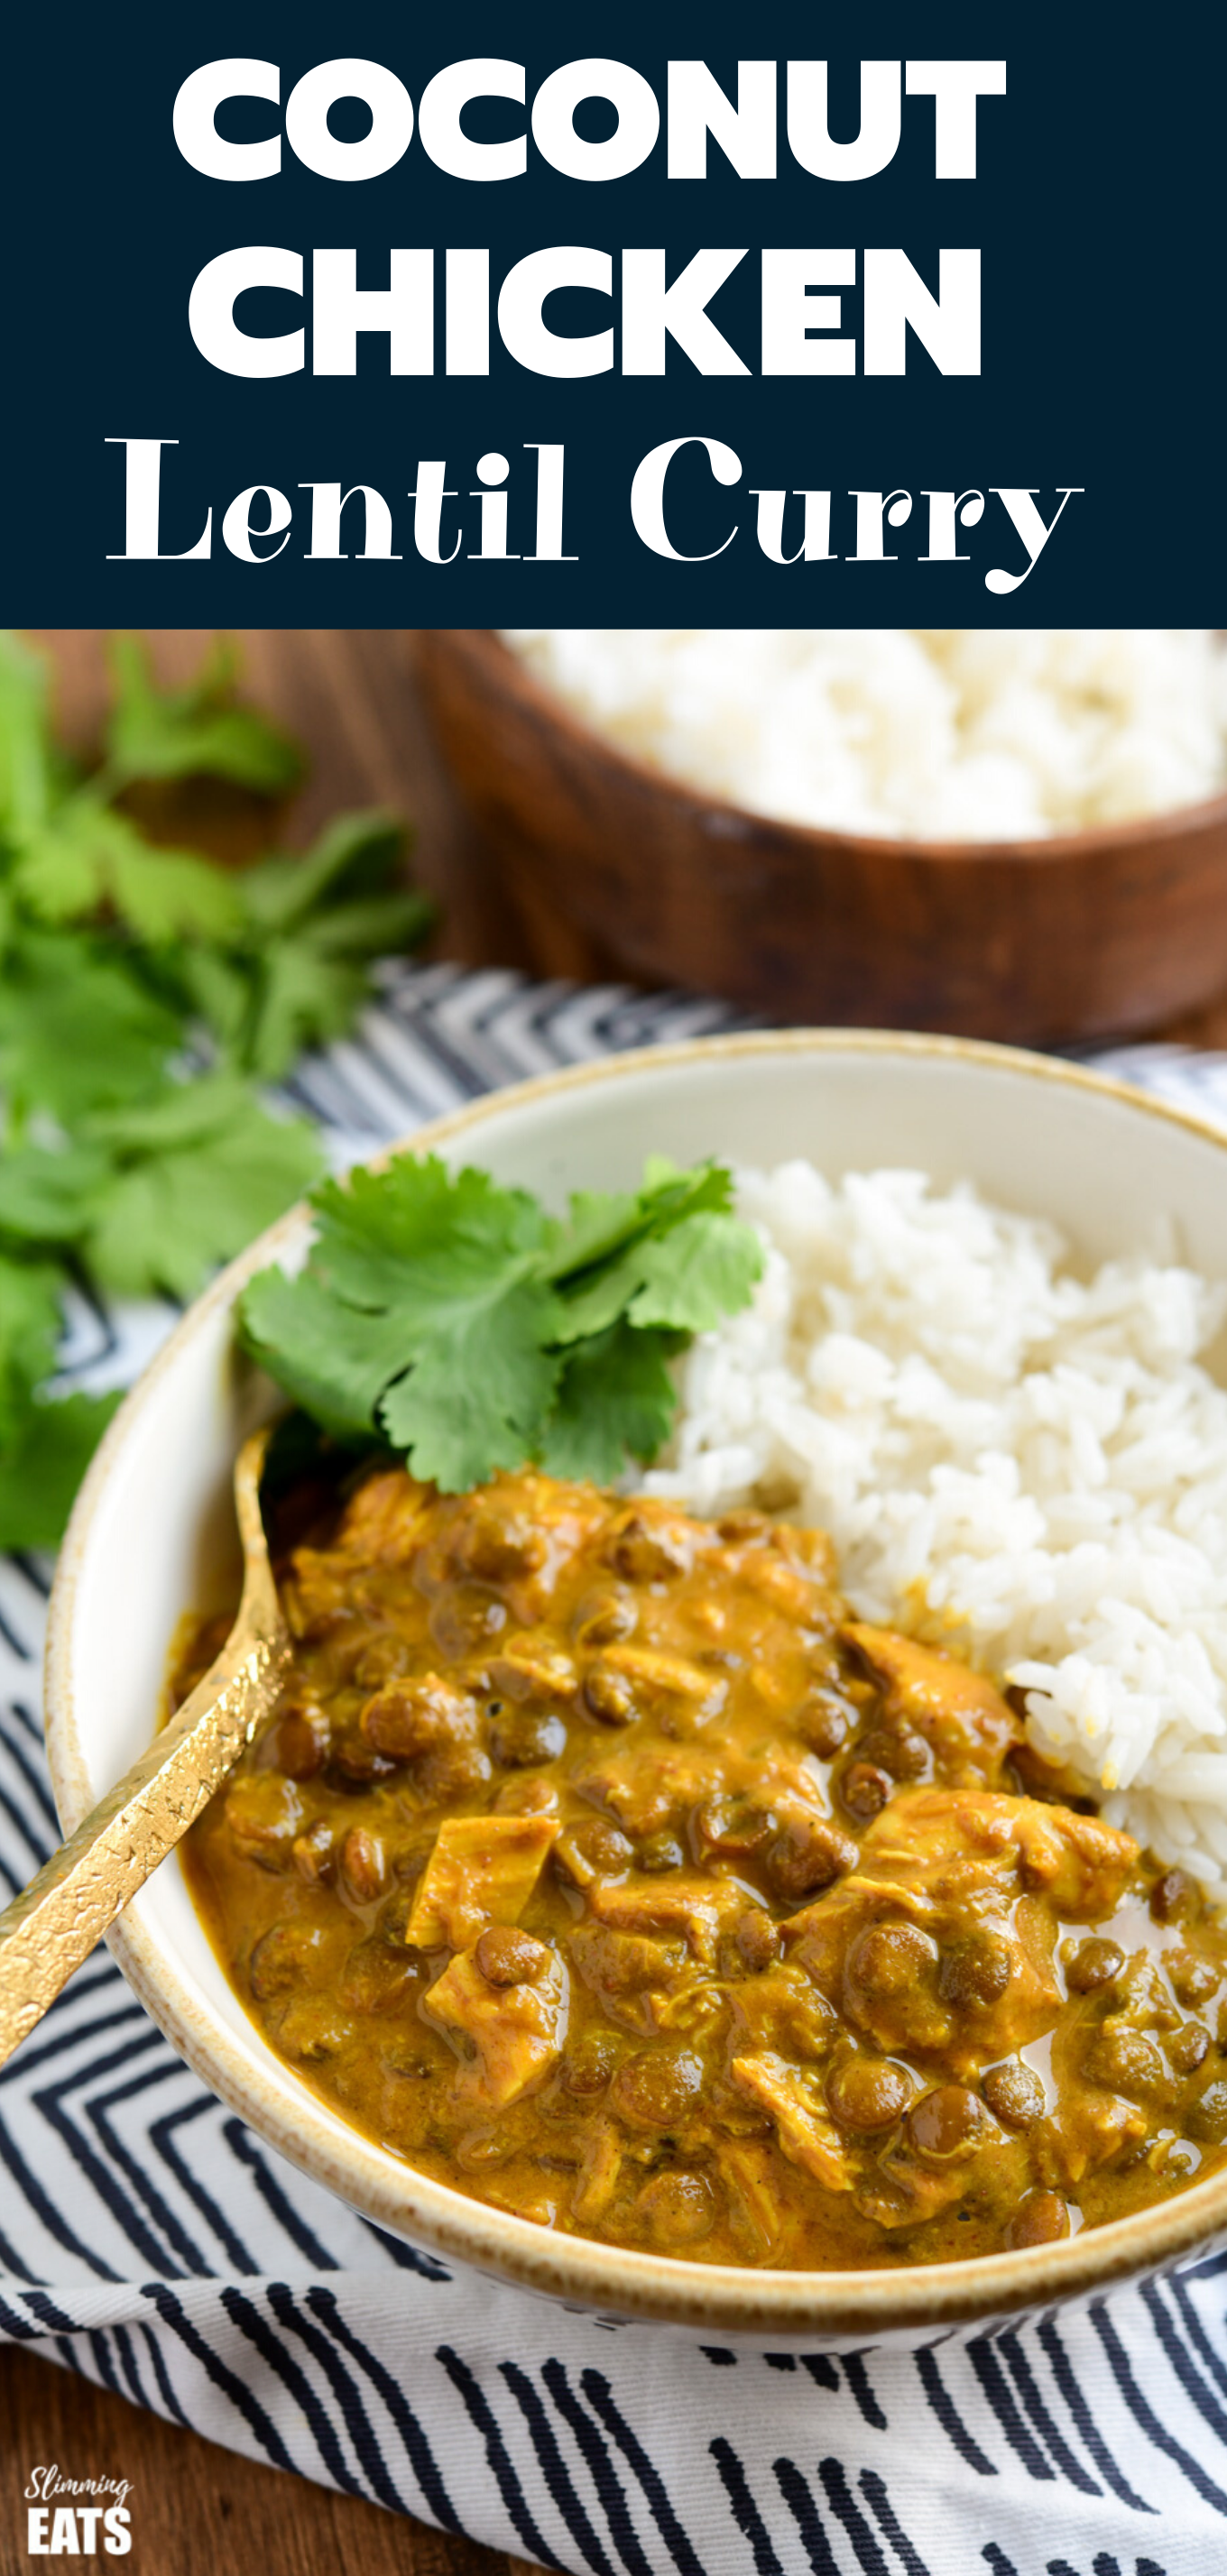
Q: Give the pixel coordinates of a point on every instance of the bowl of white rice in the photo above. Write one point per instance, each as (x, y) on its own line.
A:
(1019, 834)
(987, 1353)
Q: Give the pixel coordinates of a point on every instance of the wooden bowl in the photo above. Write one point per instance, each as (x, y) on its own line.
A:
(620, 867)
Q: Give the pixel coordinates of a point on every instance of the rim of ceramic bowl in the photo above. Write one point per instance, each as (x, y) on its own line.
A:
(1133, 832)
(613, 2279)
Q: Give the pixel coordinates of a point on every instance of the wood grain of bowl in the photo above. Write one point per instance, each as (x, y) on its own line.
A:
(621, 867)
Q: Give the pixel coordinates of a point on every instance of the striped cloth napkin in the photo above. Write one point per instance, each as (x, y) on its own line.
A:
(150, 2241)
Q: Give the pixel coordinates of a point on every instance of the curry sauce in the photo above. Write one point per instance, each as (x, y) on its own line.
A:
(600, 1864)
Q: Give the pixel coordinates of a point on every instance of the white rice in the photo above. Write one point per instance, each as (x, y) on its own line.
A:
(914, 733)
(1030, 1465)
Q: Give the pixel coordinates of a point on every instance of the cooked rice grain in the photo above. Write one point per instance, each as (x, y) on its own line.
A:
(1032, 1464)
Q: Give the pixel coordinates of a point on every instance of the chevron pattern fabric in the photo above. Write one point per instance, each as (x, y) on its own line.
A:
(151, 2242)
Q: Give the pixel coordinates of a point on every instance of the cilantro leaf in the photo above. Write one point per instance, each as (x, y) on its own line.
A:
(119, 960)
(473, 1332)
(702, 1268)
(418, 1315)
(478, 1393)
(356, 856)
(29, 1331)
(86, 858)
(55, 873)
(194, 1174)
(601, 1224)
(77, 1027)
(294, 999)
(605, 1272)
(333, 1360)
(313, 925)
(161, 895)
(372, 926)
(445, 1267)
(295, 972)
(45, 1446)
(615, 1396)
(200, 731)
(43, 1463)
(416, 1233)
(209, 987)
(50, 1194)
(25, 749)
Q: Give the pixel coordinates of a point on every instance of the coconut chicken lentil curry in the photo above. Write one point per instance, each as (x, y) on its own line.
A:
(598, 1862)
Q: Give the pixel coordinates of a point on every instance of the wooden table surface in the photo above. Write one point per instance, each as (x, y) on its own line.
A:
(197, 2510)
(349, 694)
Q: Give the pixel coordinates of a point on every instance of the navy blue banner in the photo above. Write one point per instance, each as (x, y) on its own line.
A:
(325, 315)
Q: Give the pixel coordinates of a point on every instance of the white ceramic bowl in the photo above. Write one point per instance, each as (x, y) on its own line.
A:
(154, 1518)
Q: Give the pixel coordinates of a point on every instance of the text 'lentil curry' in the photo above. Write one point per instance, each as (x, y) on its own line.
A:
(600, 1864)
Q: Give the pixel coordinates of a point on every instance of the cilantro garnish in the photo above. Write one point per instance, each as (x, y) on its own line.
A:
(142, 992)
(460, 1325)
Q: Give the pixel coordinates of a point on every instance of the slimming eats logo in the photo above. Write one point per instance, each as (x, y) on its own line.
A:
(56, 2528)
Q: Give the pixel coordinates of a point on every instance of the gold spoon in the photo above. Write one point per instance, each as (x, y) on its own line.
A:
(52, 1927)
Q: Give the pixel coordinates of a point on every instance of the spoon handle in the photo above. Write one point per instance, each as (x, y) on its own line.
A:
(53, 1925)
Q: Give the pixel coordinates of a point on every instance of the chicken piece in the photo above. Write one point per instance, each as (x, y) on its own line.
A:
(387, 1519)
(782, 2013)
(759, 2215)
(316, 1594)
(493, 1542)
(518, 1533)
(514, 2033)
(1142, 1998)
(652, 1788)
(532, 1671)
(957, 1711)
(944, 1848)
(814, 1549)
(679, 1902)
(636, 1981)
(1077, 1862)
(673, 1693)
(801, 1594)
(1091, 2127)
(598, 2175)
(941, 1942)
(758, 1800)
(385, 1525)
(804, 2128)
(651, 1543)
(903, 2193)
(483, 1869)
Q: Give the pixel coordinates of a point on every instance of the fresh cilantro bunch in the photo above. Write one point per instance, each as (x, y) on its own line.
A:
(141, 991)
(45, 1446)
(266, 961)
(463, 1327)
(296, 974)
